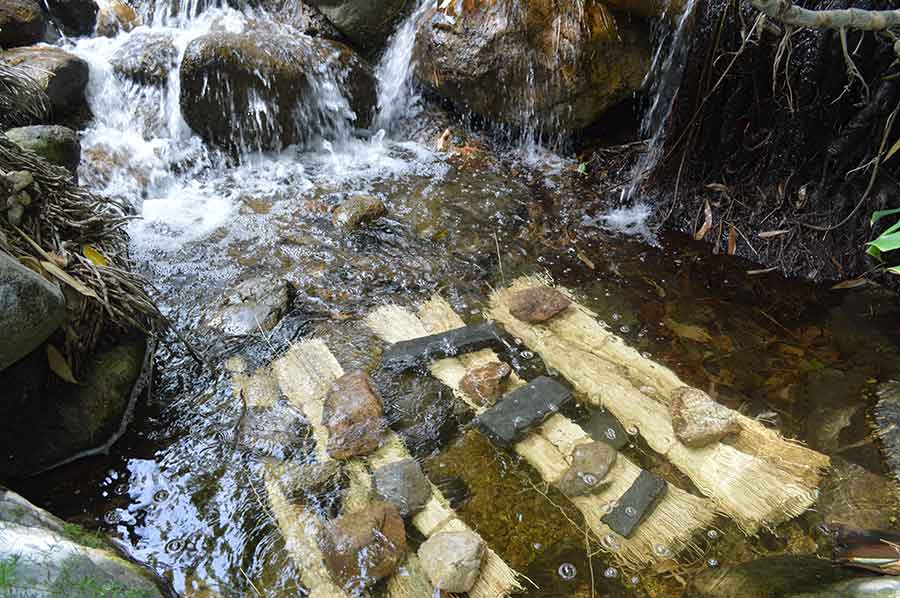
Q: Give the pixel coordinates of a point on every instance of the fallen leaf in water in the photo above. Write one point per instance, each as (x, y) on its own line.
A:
(732, 239)
(59, 365)
(94, 256)
(586, 260)
(851, 284)
(763, 271)
(707, 223)
(770, 234)
(444, 141)
(68, 279)
(688, 331)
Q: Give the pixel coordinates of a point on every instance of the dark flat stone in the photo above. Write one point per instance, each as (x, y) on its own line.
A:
(637, 502)
(603, 426)
(522, 409)
(406, 355)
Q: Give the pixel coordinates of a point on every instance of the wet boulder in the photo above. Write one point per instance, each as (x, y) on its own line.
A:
(74, 17)
(404, 485)
(366, 23)
(309, 483)
(484, 384)
(768, 577)
(255, 305)
(356, 211)
(452, 560)
(536, 64)
(363, 547)
(56, 144)
(591, 463)
(115, 17)
(353, 415)
(31, 308)
(147, 57)
(266, 91)
(22, 23)
(62, 75)
(538, 304)
(40, 551)
(699, 421)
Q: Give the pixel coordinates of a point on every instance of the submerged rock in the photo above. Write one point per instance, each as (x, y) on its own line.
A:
(54, 143)
(63, 76)
(353, 415)
(854, 496)
(768, 577)
(314, 483)
(538, 304)
(357, 211)
(484, 384)
(363, 547)
(591, 463)
(537, 63)
(452, 560)
(404, 485)
(43, 556)
(22, 23)
(31, 308)
(366, 23)
(267, 90)
(699, 421)
(74, 17)
(277, 432)
(147, 57)
(887, 424)
(253, 306)
(879, 587)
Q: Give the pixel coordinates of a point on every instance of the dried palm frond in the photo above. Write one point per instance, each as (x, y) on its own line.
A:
(22, 99)
(62, 220)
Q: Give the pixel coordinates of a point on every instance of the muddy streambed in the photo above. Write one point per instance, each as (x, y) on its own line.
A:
(181, 495)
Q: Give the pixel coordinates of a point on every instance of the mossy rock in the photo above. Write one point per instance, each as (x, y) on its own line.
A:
(22, 23)
(55, 143)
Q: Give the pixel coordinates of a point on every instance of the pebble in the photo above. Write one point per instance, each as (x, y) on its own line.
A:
(591, 463)
(699, 421)
(538, 304)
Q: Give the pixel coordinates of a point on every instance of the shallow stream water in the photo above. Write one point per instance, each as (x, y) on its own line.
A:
(178, 494)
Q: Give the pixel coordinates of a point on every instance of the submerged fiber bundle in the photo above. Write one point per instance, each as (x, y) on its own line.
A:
(305, 374)
(667, 531)
(758, 479)
(62, 220)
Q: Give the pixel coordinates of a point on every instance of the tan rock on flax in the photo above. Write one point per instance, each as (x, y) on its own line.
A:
(353, 415)
(698, 420)
(452, 560)
(538, 304)
(365, 546)
(483, 384)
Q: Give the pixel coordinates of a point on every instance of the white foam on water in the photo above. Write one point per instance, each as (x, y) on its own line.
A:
(629, 220)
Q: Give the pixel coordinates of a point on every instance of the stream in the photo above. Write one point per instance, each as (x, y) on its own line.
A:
(177, 492)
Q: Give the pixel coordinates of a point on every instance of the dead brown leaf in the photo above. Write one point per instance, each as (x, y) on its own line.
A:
(707, 222)
(851, 284)
(770, 234)
(732, 239)
(59, 365)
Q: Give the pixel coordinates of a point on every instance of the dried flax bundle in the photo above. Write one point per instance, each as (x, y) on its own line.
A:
(305, 374)
(667, 531)
(22, 100)
(759, 479)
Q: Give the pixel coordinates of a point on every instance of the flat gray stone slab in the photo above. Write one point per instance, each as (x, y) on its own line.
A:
(603, 426)
(637, 502)
(522, 409)
(416, 352)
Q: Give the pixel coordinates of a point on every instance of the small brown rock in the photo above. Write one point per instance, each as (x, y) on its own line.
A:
(356, 211)
(698, 420)
(590, 464)
(483, 384)
(538, 304)
(353, 415)
(362, 547)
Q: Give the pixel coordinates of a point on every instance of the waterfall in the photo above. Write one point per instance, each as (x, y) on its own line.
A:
(398, 98)
(662, 83)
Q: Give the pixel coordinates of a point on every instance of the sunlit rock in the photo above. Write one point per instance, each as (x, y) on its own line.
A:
(484, 384)
(253, 306)
(698, 420)
(147, 57)
(453, 560)
(116, 16)
(356, 211)
(353, 415)
(538, 304)
(540, 64)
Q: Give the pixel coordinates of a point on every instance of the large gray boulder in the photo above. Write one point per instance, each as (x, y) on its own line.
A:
(267, 89)
(31, 308)
(55, 143)
(366, 23)
(22, 23)
(42, 557)
(147, 57)
(535, 64)
(62, 75)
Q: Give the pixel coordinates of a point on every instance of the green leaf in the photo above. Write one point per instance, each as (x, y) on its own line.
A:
(874, 252)
(582, 168)
(878, 215)
(886, 242)
(893, 150)
(894, 270)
